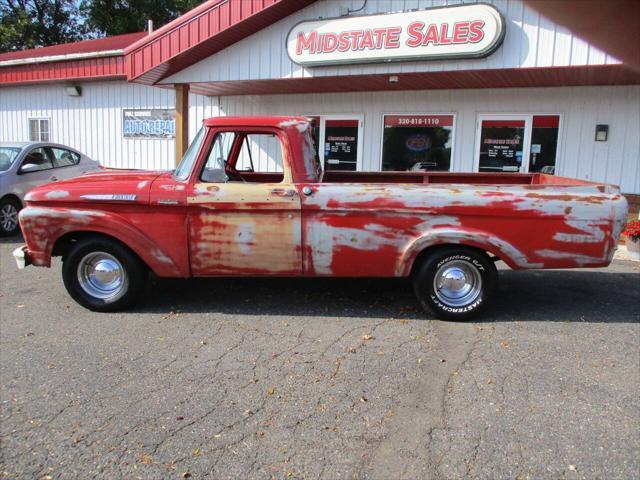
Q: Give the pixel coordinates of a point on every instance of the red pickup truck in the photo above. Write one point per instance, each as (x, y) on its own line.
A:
(250, 198)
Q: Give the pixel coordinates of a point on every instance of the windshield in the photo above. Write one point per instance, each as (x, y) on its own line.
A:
(8, 155)
(186, 164)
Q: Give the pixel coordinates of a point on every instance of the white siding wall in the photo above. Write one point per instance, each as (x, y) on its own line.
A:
(91, 123)
(581, 108)
(531, 41)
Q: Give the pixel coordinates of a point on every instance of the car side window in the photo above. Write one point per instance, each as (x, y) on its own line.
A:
(65, 158)
(37, 159)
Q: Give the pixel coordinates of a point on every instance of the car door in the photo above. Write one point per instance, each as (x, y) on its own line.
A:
(35, 169)
(244, 210)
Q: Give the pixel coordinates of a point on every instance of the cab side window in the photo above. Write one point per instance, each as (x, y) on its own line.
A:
(65, 158)
(260, 153)
(37, 159)
(215, 170)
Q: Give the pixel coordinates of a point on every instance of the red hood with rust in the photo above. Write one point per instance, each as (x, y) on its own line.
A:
(134, 184)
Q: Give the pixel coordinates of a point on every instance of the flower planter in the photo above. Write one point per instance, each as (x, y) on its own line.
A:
(633, 247)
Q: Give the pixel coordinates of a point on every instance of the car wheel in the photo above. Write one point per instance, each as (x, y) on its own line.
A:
(455, 283)
(9, 209)
(102, 274)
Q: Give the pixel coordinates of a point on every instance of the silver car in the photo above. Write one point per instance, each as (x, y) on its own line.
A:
(28, 164)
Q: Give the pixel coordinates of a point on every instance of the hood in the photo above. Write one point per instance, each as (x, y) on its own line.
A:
(107, 186)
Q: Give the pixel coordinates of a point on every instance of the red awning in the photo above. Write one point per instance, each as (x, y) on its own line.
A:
(200, 33)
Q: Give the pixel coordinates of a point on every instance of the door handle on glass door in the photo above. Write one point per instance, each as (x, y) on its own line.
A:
(283, 192)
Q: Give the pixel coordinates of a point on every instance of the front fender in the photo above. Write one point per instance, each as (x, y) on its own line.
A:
(466, 237)
(43, 226)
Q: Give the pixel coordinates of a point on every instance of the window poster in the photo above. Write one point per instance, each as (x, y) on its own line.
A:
(341, 145)
(417, 142)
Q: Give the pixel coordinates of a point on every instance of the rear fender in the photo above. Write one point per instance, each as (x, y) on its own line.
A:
(43, 226)
(465, 237)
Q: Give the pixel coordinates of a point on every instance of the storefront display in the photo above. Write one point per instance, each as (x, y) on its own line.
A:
(417, 142)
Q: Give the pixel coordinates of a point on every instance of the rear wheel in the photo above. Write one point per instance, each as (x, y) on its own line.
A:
(102, 274)
(9, 209)
(455, 283)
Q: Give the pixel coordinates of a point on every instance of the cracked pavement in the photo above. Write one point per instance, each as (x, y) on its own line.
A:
(286, 378)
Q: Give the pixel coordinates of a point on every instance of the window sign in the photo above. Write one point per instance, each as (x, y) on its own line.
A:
(341, 145)
(501, 145)
(417, 142)
(154, 123)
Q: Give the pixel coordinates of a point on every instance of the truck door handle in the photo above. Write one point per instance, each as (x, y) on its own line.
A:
(283, 192)
(54, 178)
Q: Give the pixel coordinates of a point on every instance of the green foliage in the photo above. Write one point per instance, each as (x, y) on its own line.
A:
(37, 23)
(113, 17)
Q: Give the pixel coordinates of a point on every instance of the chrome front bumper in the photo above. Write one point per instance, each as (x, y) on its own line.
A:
(21, 256)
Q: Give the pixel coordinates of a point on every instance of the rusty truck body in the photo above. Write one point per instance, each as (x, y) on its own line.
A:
(250, 198)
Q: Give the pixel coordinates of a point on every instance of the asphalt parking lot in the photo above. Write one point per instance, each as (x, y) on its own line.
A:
(253, 378)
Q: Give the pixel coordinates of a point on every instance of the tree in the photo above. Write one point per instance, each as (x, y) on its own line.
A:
(113, 17)
(37, 23)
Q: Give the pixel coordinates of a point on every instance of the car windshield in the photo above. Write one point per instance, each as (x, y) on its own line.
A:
(186, 164)
(8, 155)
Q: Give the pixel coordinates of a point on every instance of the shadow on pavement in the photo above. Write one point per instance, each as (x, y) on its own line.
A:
(16, 240)
(571, 295)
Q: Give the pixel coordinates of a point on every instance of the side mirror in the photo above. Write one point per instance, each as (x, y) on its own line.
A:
(214, 175)
(28, 168)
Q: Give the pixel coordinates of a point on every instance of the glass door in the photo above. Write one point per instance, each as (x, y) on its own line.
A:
(503, 143)
(340, 142)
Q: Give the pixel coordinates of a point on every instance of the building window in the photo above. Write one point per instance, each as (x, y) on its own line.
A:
(544, 143)
(39, 129)
(518, 143)
(417, 142)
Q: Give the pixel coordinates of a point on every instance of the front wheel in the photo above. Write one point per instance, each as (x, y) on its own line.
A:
(455, 283)
(9, 209)
(102, 274)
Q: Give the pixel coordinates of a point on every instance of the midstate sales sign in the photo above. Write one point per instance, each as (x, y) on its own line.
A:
(461, 31)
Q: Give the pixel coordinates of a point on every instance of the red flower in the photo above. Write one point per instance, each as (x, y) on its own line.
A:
(633, 229)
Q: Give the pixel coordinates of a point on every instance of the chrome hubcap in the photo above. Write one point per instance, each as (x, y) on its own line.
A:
(102, 276)
(8, 217)
(457, 283)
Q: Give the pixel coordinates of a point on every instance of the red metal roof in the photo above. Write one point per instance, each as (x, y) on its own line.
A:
(118, 42)
(203, 31)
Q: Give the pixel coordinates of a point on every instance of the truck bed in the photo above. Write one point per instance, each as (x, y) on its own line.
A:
(452, 178)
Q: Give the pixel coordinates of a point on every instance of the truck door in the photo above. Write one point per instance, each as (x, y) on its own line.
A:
(244, 210)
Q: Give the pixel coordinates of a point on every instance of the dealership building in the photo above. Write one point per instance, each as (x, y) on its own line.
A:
(391, 84)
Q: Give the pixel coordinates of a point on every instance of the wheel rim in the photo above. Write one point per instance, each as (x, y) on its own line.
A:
(457, 283)
(102, 276)
(9, 217)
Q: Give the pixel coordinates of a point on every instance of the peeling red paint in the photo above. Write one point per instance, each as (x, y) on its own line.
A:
(348, 224)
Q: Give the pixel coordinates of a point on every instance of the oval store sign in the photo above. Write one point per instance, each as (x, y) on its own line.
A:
(461, 31)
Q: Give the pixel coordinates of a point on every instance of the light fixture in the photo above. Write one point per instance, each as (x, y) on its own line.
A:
(602, 132)
(74, 91)
(394, 79)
